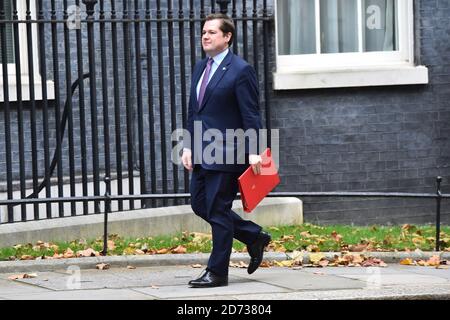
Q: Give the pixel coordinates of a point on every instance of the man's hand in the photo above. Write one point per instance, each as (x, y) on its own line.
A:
(255, 161)
(186, 158)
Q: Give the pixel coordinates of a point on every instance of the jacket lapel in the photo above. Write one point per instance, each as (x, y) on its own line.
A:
(218, 75)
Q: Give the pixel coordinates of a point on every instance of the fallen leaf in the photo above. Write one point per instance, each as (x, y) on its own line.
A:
(316, 257)
(139, 252)
(284, 263)
(305, 234)
(323, 263)
(102, 266)
(287, 238)
(265, 264)
(196, 266)
(422, 263)
(111, 245)
(313, 248)
(296, 255)
(68, 253)
(162, 251)
(336, 237)
(128, 251)
(240, 264)
(26, 257)
(200, 237)
(179, 249)
(131, 267)
(87, 253)
(434, 261)
(358, 248)
(22, 276)
(408, 227)
(407, 262)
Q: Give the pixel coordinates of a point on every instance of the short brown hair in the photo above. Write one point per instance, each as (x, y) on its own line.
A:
(227, 25)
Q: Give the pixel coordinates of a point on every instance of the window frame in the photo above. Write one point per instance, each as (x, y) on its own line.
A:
(357, 68)
(23, 58)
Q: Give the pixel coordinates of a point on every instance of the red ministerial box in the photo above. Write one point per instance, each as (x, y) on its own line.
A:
(254, 187)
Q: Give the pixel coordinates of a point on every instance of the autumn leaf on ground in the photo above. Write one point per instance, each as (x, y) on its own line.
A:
(287, 238)
(200, 237)
(196, 266)
(87, 253)
(358, 248)
(296, 255)
(312, 248)
(407, 262)
(22, 276)
(111, 245)
(336, 237)
(276, 247)
(179, 249)
(128, 251)
(373, 262)
(131, 267)
(102, 266)
(265, 264)
(26, 257)
(68, 253)
(305, 234)
(139, 252)
(162, 251)
(408, 227)
(284, 263)
(323, 263)
(434, 261)
(240, 264)
(316, 257)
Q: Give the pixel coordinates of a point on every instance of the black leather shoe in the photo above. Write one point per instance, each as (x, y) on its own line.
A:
(256, 251)
(209, 280)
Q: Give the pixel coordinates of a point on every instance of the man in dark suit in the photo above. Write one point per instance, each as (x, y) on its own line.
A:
(224, 96)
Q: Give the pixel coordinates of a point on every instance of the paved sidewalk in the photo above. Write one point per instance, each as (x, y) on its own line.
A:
(170, 282)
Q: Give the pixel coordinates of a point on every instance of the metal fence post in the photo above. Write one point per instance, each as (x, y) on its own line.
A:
(223, 5)
(438, 213)
(90, 5)
(107, 210)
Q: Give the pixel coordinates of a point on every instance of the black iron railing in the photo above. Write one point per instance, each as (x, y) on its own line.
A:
(136, 57)
(119, 73)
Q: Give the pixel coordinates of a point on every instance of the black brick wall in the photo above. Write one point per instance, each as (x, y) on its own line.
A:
(393, 138)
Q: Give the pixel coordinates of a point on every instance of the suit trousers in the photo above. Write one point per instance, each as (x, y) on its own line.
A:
(212, 195)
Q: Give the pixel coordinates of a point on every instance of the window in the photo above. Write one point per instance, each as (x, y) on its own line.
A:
(345, 43)
(23, 56)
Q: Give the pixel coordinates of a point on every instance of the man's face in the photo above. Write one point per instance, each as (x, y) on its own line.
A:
(214, 40)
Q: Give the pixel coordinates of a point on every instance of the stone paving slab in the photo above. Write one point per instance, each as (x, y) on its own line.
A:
(352, 270)
(298, 280)
(101, 294)
(398, 279)
(87, 280)
(430, 271)
(8, 287)
(237, 287)
(384, 293)
(170, 282)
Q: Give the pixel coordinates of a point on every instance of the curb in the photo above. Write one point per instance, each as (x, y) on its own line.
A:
(188, 259)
